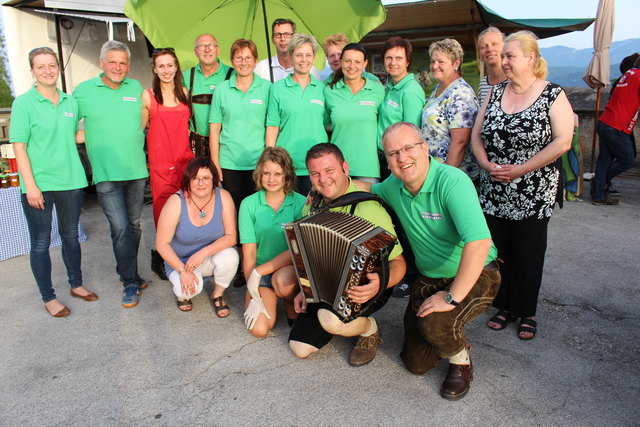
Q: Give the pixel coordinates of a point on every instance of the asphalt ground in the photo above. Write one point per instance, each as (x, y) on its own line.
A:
(153, 365)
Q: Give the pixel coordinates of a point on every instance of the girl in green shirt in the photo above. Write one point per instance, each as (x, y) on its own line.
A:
(265, 257)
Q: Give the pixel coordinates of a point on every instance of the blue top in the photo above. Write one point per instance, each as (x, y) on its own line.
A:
(188, 238)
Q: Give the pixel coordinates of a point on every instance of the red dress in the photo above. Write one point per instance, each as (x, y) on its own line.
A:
(169, 150)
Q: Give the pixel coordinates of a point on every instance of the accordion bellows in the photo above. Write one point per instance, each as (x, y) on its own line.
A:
(333, 251)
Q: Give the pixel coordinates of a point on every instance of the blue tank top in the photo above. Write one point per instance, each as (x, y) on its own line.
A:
(188, 238)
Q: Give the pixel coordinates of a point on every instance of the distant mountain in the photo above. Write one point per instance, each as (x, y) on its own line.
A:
(568, 65)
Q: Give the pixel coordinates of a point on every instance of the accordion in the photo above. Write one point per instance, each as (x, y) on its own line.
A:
(333, 251)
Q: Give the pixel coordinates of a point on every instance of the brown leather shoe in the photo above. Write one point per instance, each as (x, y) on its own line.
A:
(365, 349)
(64, 312)
(457, 383)
(89, 297)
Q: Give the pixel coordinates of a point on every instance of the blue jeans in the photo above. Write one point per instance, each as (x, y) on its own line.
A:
(617, 154)
(122, 203)
(68, 204)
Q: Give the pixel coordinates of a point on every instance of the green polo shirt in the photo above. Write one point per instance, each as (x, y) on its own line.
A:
(50, 134)
(365, 74)
(300, 115)
(243, 117)
(370, 210)
(354, 125)
(402, 103)
(203, 85)
(259, 224)
(440, 219)
(113, 129)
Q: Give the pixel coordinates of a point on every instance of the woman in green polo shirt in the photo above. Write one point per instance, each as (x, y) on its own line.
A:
(352, 102)
(404, 97)
(44, 122)
(265, 258)
(296, 116)
(237, 121)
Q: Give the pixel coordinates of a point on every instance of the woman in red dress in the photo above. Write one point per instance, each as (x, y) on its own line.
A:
(165, 109)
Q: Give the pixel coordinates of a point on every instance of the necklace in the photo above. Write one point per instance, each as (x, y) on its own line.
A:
(201, 212)
(524, 91)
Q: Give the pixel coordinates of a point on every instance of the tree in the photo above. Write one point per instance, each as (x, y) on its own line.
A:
(6, 98)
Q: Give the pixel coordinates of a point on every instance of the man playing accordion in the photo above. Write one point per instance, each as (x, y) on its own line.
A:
(317, 323)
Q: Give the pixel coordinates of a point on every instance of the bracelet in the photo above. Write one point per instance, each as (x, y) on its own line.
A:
(181, 270)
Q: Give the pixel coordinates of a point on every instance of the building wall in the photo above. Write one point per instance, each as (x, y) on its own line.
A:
(25, 30)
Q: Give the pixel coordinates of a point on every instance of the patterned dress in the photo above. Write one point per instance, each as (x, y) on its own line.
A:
(514, 139)
(456, 107)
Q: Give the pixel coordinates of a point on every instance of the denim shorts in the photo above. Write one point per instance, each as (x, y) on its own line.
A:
(265, 281)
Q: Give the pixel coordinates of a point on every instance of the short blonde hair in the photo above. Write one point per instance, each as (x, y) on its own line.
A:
(300, 39)
(449, 47)
(339, 40)
(529, 44)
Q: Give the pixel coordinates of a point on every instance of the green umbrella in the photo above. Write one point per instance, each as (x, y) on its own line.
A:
(168, 23)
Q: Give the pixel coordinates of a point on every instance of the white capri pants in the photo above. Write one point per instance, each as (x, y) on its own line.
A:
(222, 266)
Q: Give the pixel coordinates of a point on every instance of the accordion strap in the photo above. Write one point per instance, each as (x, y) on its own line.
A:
(347, 199)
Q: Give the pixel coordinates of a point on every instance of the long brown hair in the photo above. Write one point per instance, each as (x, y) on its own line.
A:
(178, 92)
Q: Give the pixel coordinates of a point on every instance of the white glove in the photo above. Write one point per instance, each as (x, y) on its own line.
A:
(256, 306)
(254, 309)
(253, 284)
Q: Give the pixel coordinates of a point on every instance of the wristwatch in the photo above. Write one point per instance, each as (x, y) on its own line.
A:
(448, 298)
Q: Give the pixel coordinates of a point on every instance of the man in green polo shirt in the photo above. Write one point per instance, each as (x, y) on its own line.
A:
(439, 210)
(111, 107)
(317, 322)
(200, 82)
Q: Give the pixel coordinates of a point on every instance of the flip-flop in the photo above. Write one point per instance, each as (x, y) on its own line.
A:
(506, 319)
(185, 305)
(527, 325)
(220, 304)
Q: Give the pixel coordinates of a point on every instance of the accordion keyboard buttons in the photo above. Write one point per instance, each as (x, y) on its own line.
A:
(353, 266)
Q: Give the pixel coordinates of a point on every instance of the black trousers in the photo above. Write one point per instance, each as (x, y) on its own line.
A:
(239, 184)
(522, 245)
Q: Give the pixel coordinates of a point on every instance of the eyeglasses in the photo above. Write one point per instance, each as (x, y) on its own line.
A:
(241, 59)
(205, 179)
(202, 46)
(282, 35)
(408, 150)
(164, 49)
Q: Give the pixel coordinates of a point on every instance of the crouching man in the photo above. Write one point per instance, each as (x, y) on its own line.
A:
(439, 210)
(317, 323)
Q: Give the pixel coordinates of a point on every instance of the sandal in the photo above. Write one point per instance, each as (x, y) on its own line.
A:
(185, 305)
(502, 318)
(527, 325)
(219, 304)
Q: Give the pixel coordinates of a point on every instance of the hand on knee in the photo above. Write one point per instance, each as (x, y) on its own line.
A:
(302, 350)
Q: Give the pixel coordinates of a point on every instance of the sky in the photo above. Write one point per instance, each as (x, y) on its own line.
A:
(625, 19)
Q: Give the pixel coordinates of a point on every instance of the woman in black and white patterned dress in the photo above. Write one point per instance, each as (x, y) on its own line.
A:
(525, 126)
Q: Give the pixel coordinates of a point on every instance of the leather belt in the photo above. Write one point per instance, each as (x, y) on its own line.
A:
(203, 98)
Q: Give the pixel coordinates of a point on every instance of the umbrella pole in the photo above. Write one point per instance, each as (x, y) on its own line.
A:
(595, 134)
(266, 35)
